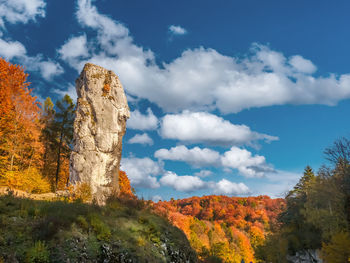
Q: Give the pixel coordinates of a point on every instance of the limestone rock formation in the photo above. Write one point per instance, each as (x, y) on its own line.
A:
(99, 126)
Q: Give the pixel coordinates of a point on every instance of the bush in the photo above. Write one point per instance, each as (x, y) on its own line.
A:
(80, 193)
(337, 251)
(38, 253)
(101, 229)
(30, 181)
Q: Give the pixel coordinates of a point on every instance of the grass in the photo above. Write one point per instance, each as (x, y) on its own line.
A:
(58, 231)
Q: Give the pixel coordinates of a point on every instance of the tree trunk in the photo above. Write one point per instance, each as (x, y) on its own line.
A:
(58, 160)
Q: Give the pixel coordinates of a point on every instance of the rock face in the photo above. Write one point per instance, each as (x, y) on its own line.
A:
(306, 256)
(99, 126)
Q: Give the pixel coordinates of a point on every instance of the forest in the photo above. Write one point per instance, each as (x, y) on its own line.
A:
(35, 145)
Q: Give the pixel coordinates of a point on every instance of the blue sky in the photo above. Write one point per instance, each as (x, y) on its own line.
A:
(226, 97)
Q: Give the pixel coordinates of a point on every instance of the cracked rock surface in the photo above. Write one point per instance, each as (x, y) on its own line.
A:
(99, 127)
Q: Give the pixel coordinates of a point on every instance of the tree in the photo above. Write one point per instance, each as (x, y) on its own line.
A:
(58, 135)
(300, 232)
(20, 147)
(63, 125)
(48, 138)
(337, 251)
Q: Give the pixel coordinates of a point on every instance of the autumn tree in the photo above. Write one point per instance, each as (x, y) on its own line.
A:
(125, 189)
(20, 147)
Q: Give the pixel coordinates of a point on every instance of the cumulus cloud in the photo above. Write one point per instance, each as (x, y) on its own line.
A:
(236, 158)
(185, 183)
(21, 11)
(188, 183)
(16, 50)
(74, 49)
(142, 171)
(202, 78)
(203, 173)
(196, 156)
(177, 30)
(141, 139)
(48, 68)
(10, 49)
(226, 187)
(247, 164)
(139, 121)
(208, 128)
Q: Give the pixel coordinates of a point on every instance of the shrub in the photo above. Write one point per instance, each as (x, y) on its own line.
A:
(30, 181)
(80, 192)
(38, 253)
(101, 229)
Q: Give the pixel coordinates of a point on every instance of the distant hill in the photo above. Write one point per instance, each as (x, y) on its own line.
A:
(221, 228)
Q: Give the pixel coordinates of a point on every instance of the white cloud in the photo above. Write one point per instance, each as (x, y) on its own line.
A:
(16, 50)
(236, 158)
(302, 65)
(185, 183)
(21, 11)
(71, 91)
(88, 16)
(141, 139)
(208, 128)
(10, 49)
(277, 184)
(196, 156)
(142, 171)
(156, 198)
(203, 173)
(74, 48)
(177, 30)
(203, 78)
(139, 121)
(49, 69)
(247, 164)
(225, 187)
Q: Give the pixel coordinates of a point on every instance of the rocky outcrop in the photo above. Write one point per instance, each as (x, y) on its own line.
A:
(99, 126)
(306, 256)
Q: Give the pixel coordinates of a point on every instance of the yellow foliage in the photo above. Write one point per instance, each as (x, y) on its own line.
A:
(80, 192)
(30, 181)
(338, 250)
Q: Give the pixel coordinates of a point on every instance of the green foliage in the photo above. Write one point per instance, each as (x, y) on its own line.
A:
(57, 137)
(39, 253)
(86, 233)
(338, 249)
(317, 213)
(103, 232)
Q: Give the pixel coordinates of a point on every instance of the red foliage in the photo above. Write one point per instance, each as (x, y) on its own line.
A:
(238, 223)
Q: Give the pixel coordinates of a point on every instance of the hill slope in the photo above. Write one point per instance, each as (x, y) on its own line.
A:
(221, 228)
(57, 231)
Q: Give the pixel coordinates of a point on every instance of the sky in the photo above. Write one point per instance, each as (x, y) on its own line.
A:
(226, 97)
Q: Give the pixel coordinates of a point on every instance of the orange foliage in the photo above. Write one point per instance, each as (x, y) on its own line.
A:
(221, 226)
(20, 147)
(125, 189)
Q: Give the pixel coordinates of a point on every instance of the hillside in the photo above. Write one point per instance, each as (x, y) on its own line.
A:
(222, 228)
(58, 231)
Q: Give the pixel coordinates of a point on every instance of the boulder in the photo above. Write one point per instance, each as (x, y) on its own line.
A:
(99, 127)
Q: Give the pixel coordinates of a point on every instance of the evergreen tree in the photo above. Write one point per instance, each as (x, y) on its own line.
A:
(63, 126)
(57, 136)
